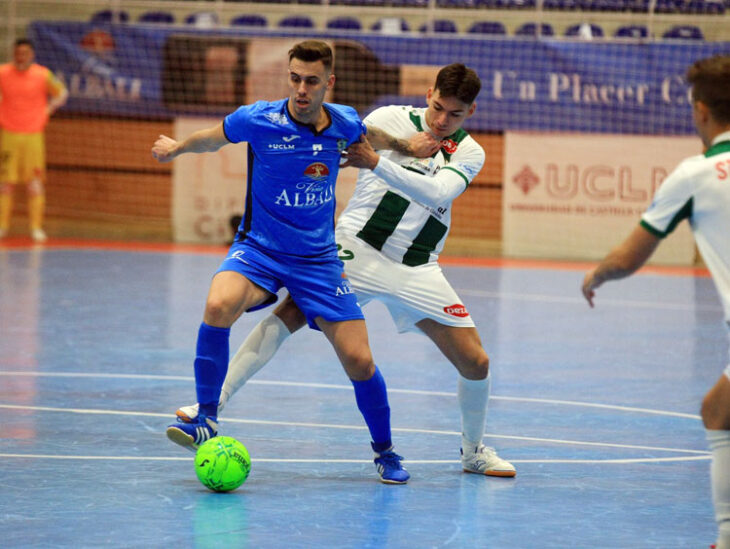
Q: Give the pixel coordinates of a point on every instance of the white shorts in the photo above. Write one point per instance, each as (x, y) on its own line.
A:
(410, 293)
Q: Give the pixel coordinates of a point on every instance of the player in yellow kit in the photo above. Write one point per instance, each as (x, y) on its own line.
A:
(29, 95)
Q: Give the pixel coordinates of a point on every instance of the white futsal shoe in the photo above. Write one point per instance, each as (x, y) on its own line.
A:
(485, 461)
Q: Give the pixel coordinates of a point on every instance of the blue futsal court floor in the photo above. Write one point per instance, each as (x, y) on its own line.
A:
(597, 409)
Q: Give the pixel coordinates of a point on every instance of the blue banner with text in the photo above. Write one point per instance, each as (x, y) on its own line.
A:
(527, 84)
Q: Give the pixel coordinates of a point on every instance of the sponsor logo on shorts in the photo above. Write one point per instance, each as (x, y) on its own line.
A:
(456, 310)
(344, 288)
(238, 255)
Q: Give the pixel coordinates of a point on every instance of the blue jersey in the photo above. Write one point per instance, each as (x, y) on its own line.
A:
(292, 169)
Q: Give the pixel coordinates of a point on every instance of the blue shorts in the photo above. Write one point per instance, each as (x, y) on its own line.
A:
(318, 286)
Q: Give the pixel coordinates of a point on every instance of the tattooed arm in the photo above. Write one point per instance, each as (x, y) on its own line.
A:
(420, 145)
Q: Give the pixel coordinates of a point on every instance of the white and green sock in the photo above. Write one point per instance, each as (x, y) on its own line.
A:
(253, 354)
(720, 479)
(473, 397)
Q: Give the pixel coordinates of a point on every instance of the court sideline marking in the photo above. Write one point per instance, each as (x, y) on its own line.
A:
(66, 244)
(363, 461)
(697, 454)
(312, 385)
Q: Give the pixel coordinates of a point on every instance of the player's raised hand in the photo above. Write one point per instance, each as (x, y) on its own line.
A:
(423, 144)
(164, 148)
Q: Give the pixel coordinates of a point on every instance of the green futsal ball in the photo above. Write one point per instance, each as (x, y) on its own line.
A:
(222, 464)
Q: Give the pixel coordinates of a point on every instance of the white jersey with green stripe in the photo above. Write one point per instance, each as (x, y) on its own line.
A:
(403, 206)
(699, 190)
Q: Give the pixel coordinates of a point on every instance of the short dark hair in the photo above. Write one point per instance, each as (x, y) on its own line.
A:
(710, 80)
(313, 50)
(24, 42)
(458, 80)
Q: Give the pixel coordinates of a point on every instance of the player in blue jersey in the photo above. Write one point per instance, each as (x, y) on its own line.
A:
(286, 239)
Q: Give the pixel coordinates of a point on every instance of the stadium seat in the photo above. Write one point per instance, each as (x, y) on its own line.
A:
(345, 23)
(459, 3)
(530, 29)
(637, 6)
(368, 3)
(584, 30)
(202, 19)
(560, 5)
(603, 5)
(439, 25)
(514, 4)
(703, 7)
(251, 20)
(684, 32)
(297, 21)
(158, 17)
(110, 16)
(668, 6)
(487, 27)
(390, 25)
(632, 31)
(409, 3)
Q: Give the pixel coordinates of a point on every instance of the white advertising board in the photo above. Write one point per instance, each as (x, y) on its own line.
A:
(576, 196)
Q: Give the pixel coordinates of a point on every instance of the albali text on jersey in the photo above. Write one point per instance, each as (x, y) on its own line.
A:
(699, 190)
(403, 206)
(292, 169)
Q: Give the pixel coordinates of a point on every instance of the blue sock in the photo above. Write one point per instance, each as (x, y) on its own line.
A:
(211, 365)
(372, 401)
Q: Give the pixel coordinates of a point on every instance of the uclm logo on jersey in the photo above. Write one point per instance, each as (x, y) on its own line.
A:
(318, 170)
(449, 145)
(456, 310)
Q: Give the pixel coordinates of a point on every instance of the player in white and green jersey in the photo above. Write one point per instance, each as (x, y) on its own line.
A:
(697, 190)
(390, 236)
(402, 207)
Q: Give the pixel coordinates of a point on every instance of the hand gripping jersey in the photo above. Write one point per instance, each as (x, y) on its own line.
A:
(699, 190)
(403, 206)
(292, 169)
